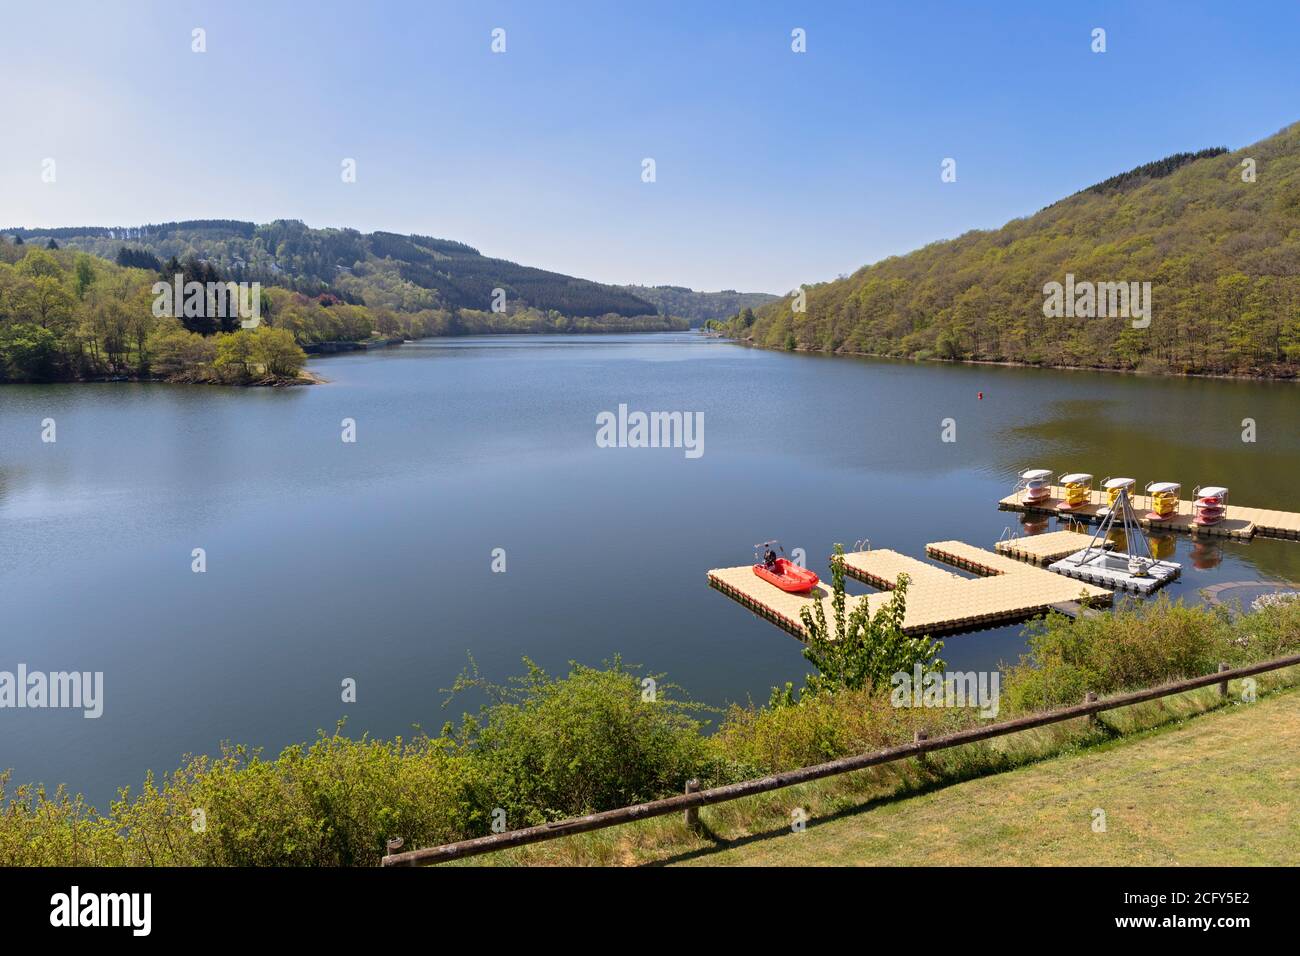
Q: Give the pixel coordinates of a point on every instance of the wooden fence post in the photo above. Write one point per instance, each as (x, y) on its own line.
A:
(1223, 685)
(692, 814)
(1093, 721)
(395, 846)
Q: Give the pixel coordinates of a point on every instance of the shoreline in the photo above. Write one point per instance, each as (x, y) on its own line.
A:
(305, 377)
(320, 350)
(313, 351)
(340, 347)
(1227, 376)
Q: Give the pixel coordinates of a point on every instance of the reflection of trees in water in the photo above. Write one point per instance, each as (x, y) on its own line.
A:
(1111, 436)
(13, 481)
(1273, 558)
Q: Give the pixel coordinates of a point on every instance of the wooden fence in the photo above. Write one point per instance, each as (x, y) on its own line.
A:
(694, 798)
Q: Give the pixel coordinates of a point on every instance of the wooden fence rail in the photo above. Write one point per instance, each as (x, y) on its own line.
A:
(693, 799)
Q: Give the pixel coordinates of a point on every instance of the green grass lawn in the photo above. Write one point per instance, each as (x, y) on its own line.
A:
(1222, 788)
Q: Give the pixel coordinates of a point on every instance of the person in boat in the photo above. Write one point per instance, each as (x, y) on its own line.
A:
(769, 560)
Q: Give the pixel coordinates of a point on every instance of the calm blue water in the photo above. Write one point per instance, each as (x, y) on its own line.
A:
(372, 560)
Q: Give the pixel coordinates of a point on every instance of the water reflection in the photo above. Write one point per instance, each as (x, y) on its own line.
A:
(1031, 524)
(1163, 546)
(1206, 555)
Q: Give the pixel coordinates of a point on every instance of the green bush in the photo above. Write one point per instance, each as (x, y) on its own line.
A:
(334, 803)
(552, 747)
(1133, 646)
(1272, 631)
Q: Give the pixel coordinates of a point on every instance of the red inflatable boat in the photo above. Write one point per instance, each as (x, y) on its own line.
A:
(788, 576)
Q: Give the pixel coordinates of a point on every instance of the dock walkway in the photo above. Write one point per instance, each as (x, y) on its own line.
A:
(938, 601)
(1043, 549)
(1239, 521)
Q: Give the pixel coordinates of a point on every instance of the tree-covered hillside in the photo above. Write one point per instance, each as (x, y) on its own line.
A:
(699, 307)
(1216, 234)
(67, 315)
(381, 269)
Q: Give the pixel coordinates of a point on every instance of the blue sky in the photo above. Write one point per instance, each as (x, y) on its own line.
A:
(773, 168)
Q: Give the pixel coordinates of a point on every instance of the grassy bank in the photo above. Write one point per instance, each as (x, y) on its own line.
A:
(547, 747)
(1222, 789)
(1188, 780)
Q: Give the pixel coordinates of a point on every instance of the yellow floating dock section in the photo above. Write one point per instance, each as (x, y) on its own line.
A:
(1044, 549)
(1238, 522)
(771, 603)
(938, 601)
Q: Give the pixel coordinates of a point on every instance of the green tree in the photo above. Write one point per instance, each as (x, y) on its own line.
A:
(276, 351)
(38, 262)
(85, 274)
(46, 302)
(235, 353)
(862, 650)
(140, 324)
(28, 353)
(949, 345)
(177, 352)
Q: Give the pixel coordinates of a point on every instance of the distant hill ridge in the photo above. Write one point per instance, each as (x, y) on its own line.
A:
(699, 307)
(1156, 170)
(383, 269)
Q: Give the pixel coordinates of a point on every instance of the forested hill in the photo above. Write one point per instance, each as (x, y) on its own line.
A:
(82, 303)
(379, 269)
(1216, 234)
(699, 307)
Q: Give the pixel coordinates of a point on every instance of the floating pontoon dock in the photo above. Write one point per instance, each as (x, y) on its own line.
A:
(938, 601)
(1238, 522)
(1113, 570)
(1043, 549)
(1051, 550)
(1135, 568)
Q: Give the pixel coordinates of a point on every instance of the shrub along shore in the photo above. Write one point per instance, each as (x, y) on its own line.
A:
(546, 747)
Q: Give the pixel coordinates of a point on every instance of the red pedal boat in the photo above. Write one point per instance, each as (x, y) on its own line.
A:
(788, 576)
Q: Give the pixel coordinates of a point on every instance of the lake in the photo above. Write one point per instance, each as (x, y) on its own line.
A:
(372, 560)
